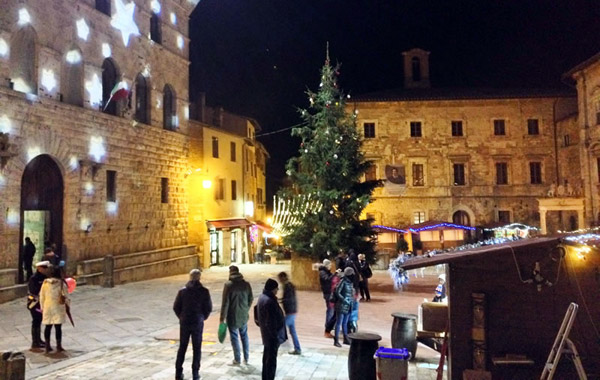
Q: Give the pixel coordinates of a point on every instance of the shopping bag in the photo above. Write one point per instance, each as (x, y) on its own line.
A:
(222, 332)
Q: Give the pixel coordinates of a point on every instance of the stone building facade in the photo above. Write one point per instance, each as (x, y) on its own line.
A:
(94, 176)
(469, 156)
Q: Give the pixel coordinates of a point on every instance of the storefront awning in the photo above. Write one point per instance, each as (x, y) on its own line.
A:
(219, 224)
(265, 227)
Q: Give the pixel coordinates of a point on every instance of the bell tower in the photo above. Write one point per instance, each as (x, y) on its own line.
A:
(416, 68)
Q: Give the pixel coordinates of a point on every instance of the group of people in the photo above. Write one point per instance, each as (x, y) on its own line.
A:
(193, 306)
(340, 291)
(48, 302)
(29, 250)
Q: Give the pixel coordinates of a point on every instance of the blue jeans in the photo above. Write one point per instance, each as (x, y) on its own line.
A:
(235, 343)
(342, 320)
(290, 322)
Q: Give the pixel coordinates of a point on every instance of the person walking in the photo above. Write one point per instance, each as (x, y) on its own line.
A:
(33, 304)
(365, 274)
(235, 306)
(192, 306)
(54, 299)
(272, 328)
(325, 277)
(28, 254)
(344, 295)
(290, 308)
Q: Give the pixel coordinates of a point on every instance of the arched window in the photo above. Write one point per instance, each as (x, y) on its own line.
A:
(103, 6)
(461, 217)
(169, 108)
(142, 100)
(110, 76)
(23, 60)
(72, 77)
(155, 28)
(416, 69)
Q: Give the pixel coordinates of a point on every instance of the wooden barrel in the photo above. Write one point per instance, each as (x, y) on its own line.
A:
(361, 361)
(404, 332)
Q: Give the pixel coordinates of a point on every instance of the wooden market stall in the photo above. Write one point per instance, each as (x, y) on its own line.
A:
(506, 304)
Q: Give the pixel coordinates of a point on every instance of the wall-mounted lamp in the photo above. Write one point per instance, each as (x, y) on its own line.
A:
(88, 229)
(129, 226)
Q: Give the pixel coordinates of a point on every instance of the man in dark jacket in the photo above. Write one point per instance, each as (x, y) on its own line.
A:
(28, 253)
(33, 304)
(192, 306)
(340, 261)
(365, 273)
(272, 328)
(290, 308)
(237, 299)
(325, 277)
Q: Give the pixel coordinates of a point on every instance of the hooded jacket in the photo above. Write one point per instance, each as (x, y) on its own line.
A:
(192, 305)
(237, 299)
(271, 319)
(344, 295)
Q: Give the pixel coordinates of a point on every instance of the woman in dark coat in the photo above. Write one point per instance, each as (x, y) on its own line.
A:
(344, 294)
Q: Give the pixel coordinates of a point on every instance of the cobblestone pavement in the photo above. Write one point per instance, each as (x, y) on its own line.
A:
(130, 331)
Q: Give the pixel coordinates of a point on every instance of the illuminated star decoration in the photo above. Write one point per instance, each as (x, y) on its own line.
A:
(106, 51)
(94, 88)
(3, 48)
(123, 20)
(83, 31)
(48, 79)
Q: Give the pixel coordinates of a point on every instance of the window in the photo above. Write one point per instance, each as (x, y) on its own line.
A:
(103, 6)
(459, 174)
(457, 129)
(233, 152)
(501, 173)
(164, 190)
(215, 147)
(371, 173)
(415, 129)
(499, 127)
(111, 186)
(418, 175)
(418, 217)
(535, 171)
(566, 140)
(23, 60)
(233, 190)
(142, 100)
(416, 69)
(259, 196)
(155, 28)
(369, 129)
(504, 216)
(110, 74)
(72, 77)
(533, 127)
(170, 121)
(220, 189)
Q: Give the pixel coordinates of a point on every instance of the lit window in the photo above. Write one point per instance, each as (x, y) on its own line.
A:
(215, 147)
(418, 217)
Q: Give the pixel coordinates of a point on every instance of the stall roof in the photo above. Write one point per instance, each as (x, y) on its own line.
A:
(263, 226)
(228, 223)
(436, 225)
(450, 257)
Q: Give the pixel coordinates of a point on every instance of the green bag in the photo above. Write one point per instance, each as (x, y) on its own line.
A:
(222, 332)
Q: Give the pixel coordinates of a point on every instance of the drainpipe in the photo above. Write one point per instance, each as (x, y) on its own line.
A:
(557, 172)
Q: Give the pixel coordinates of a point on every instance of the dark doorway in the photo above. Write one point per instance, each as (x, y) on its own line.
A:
(110, 76)
(461, 217)
(42, 192)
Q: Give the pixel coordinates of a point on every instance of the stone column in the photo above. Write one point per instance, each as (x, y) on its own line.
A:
(108, 272)
(543, 220)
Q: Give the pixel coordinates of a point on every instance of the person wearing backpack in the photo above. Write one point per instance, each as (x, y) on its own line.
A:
(344, 295)
(365, 273)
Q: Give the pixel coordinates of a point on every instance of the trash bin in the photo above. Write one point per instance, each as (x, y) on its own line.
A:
(12, 366)
(392, 363)
(404, 332)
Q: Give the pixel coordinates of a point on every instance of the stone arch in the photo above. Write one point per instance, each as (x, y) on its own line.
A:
(110, 77)
(169, 107)
(72, 76)
(463, 211)
(23, 60)
(142, 99)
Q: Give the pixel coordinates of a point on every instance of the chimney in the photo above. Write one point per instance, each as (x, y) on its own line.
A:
(218, 117)
(416, 68)
(201, 107)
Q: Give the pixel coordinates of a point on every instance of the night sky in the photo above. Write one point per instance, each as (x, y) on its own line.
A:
(257, 57)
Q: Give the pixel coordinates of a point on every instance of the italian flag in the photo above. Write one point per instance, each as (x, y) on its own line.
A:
(118, 92)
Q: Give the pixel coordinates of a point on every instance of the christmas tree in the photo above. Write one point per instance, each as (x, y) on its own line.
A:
(328, 176)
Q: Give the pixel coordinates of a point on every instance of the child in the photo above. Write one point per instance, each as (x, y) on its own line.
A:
(440, 290)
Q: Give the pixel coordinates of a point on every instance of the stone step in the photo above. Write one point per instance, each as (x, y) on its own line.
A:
(9, 293)
(8, 277)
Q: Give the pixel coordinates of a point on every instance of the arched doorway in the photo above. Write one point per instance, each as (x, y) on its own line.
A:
(42, 192)
(461, 217)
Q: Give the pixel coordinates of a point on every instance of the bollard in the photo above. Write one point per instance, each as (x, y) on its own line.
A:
(361, 361)
(12, 366)
(109, 270)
